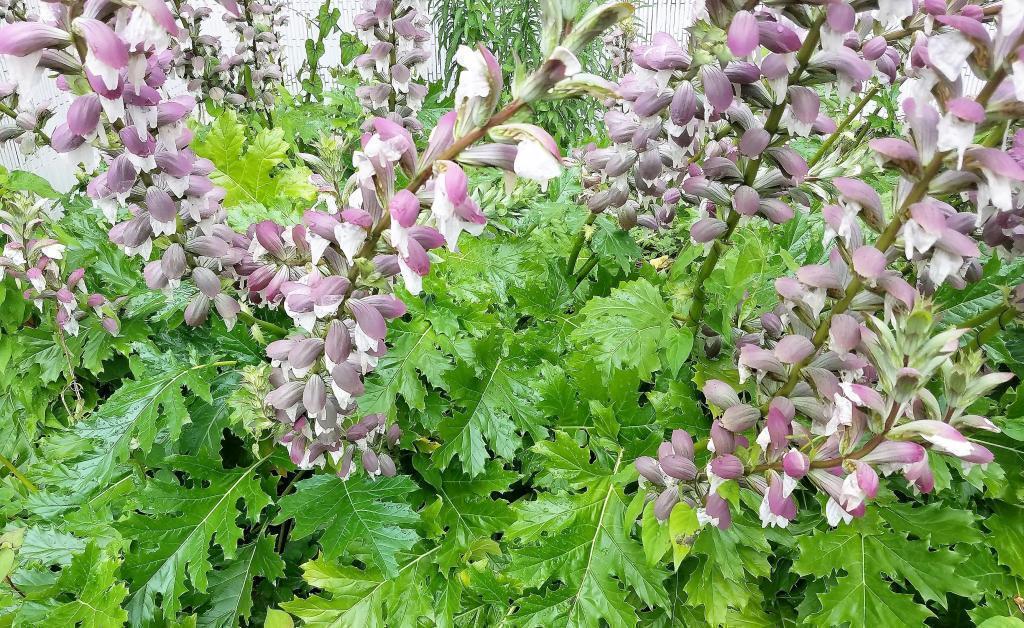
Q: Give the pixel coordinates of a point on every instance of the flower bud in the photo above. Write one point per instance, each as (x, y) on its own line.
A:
(720, 394)
(387, 465)
(371, 463)
(314, 395)
(206, 280)
(707, 230)
(796, 464)
(722, 439)
(305, 352)
(772, 324)
(743, 37)
(172, 264)
(666, 501)
(717, 509)
(649, 469)
(740, 418)
(727, 466)
(794, 348)
(678, 467)
(717, 88)
(197, 310)
(286, 395)
(874, 48)
(394, 433)
(684, 105)
(338, 343)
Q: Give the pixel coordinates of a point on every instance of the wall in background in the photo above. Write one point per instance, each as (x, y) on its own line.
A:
(672, 16)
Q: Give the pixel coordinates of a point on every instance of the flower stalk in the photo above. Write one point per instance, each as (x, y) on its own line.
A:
(696, 312)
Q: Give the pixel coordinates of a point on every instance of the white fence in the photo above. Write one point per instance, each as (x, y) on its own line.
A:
(672, 16)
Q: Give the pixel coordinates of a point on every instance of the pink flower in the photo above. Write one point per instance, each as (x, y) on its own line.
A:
(744, 36)
(453, 210)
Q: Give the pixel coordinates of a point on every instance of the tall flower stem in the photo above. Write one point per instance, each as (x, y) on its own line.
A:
(850, 117)
(885, 240)
(864, 128)
(771, 125)
(994, 326)
(267, 326)
(577, 246)
(984, 317)
(585, 269)
(423, 174)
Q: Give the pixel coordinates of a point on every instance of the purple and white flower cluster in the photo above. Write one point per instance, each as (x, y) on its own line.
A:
(35, 259)
(392, 68)
(326, 272)
(686, 127)
(834, 381)
(250, 77)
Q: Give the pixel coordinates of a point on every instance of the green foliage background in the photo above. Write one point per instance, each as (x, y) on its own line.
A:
(154, 495)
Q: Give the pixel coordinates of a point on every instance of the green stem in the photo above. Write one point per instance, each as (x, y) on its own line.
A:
(771, 125)
(985, 335)
(864, 128)
(850, 117)
(18, 474)
(585, 269)
(577, 245)
(856, 284)
(267, 326)
(885, 240)
(984, 317)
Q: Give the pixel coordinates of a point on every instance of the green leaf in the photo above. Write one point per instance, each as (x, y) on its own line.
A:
(498, 401)
(625, 330)
(998, 586)
(230, 594)
(1007, 526)
(676, 349)
(95, 595)
(29, 182)
(365, 597)
(414, 351)
(278, 619)
(682, 524)
(176, 526)
(728, 562)
(1002, 622)
(131, 418)
(938, 522)
(358, 517)
(615, 244)
(574, 574)
(654, 535)
(246, 166)
(866, 551)
(466, 515)
(483, 271)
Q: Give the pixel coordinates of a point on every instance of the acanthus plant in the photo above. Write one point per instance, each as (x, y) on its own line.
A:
(483, 440)
(850, 346)
(312, 270)
(251, 76)
(397, 52)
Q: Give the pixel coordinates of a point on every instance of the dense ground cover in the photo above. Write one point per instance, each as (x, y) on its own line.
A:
(717, 328)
